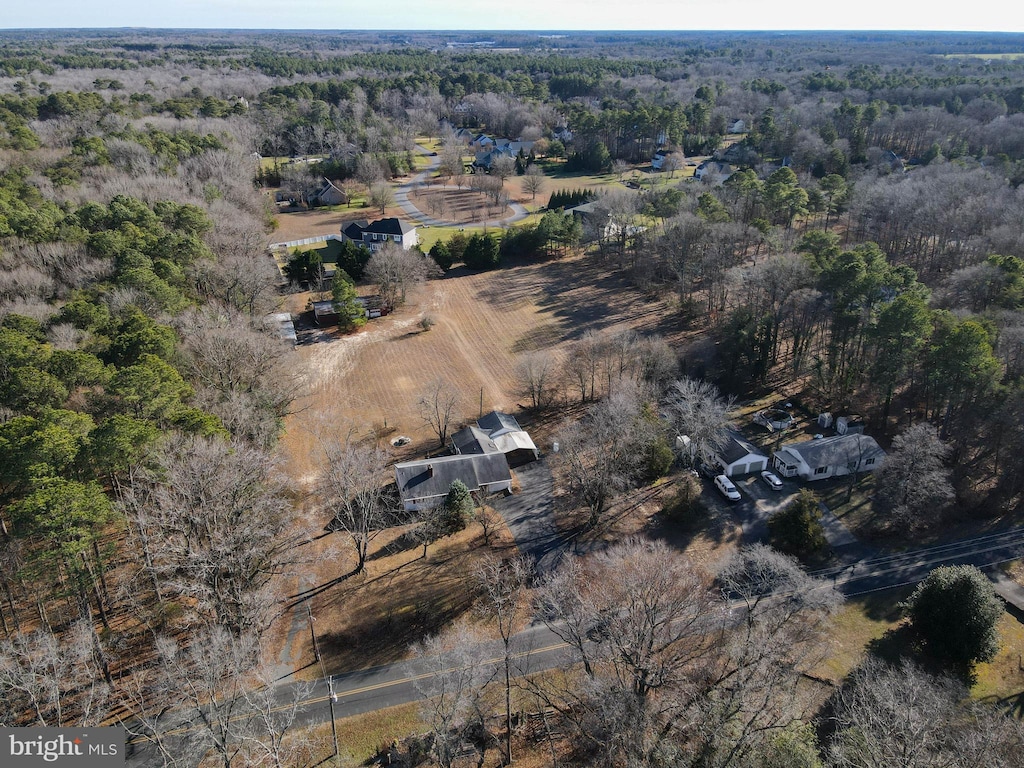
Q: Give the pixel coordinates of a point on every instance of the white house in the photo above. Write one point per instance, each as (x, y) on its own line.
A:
(829, 457)
(739, 457)
(713, 171)
(673, 159)
(424, 484)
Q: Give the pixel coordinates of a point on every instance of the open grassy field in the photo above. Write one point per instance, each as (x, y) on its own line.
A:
(370, 381)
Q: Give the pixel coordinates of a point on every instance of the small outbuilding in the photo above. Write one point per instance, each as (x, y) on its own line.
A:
(324, 313)
(739, 457)
(852, 424)
(497, 432)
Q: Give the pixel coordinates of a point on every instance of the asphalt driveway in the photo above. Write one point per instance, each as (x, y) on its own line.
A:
(529, 515)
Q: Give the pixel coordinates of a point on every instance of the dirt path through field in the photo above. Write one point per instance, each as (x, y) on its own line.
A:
(370, 381)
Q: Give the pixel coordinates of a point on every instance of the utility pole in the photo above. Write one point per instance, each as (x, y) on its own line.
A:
(332, 697)
(312, 635)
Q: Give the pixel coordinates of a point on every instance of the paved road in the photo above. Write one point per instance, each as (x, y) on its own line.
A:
(884, 571)
(539, 648)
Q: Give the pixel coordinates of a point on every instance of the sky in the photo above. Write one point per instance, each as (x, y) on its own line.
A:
(981, 15)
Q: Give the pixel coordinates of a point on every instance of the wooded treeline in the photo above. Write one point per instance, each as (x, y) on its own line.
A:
(865, 246)
(143, 515)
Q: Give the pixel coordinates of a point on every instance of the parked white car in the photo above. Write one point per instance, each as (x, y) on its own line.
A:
(772, 479)
(726, 488)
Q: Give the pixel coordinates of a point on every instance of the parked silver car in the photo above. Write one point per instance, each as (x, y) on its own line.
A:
(772, 479)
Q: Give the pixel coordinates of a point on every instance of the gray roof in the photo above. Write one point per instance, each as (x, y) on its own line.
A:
(473, 440)
(496, 420)
(837, 450)
(391, 226)
(431, 478)
(354, 229)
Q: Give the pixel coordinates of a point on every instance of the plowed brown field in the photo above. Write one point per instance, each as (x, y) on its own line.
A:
(371, 380)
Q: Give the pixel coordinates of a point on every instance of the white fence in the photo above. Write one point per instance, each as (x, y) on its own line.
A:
(305, 241)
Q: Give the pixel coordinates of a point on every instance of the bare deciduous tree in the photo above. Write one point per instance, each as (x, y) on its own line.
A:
(903, 716)
(602, 453)
(700, 412)
(50, 680)
(436, 405)
(451, 164)
(353, 490)
(640, 618)
(217, 527)
(369, 171)
(533, 181)
(913, 486)
(676, 667)
(394, 271)
(503, 167)
(381, 196)
(537, 374)
(504, 586)
(451, 676)
(219, 688)
(241, 372)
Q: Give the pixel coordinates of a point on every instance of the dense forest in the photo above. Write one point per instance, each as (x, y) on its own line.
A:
(863, 246)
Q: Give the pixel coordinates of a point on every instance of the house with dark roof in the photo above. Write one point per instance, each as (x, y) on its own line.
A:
(829, 457)
(497, 432)
(328, 194)
(473, 440)
(738, 457)
(424, 484)
(492, 149)
(376, 233)
(674, 158)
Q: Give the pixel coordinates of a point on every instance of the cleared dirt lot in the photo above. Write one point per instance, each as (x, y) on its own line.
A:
(371, 380)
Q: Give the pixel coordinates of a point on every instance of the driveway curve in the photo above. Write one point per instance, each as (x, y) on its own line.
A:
(411, 211)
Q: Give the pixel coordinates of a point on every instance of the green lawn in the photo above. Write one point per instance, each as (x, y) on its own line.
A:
(1001, 682)
(853, 509)
(861, 621)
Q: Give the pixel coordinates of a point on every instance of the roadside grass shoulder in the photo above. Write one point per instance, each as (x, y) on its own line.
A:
(861, 623)
(1001, 681)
